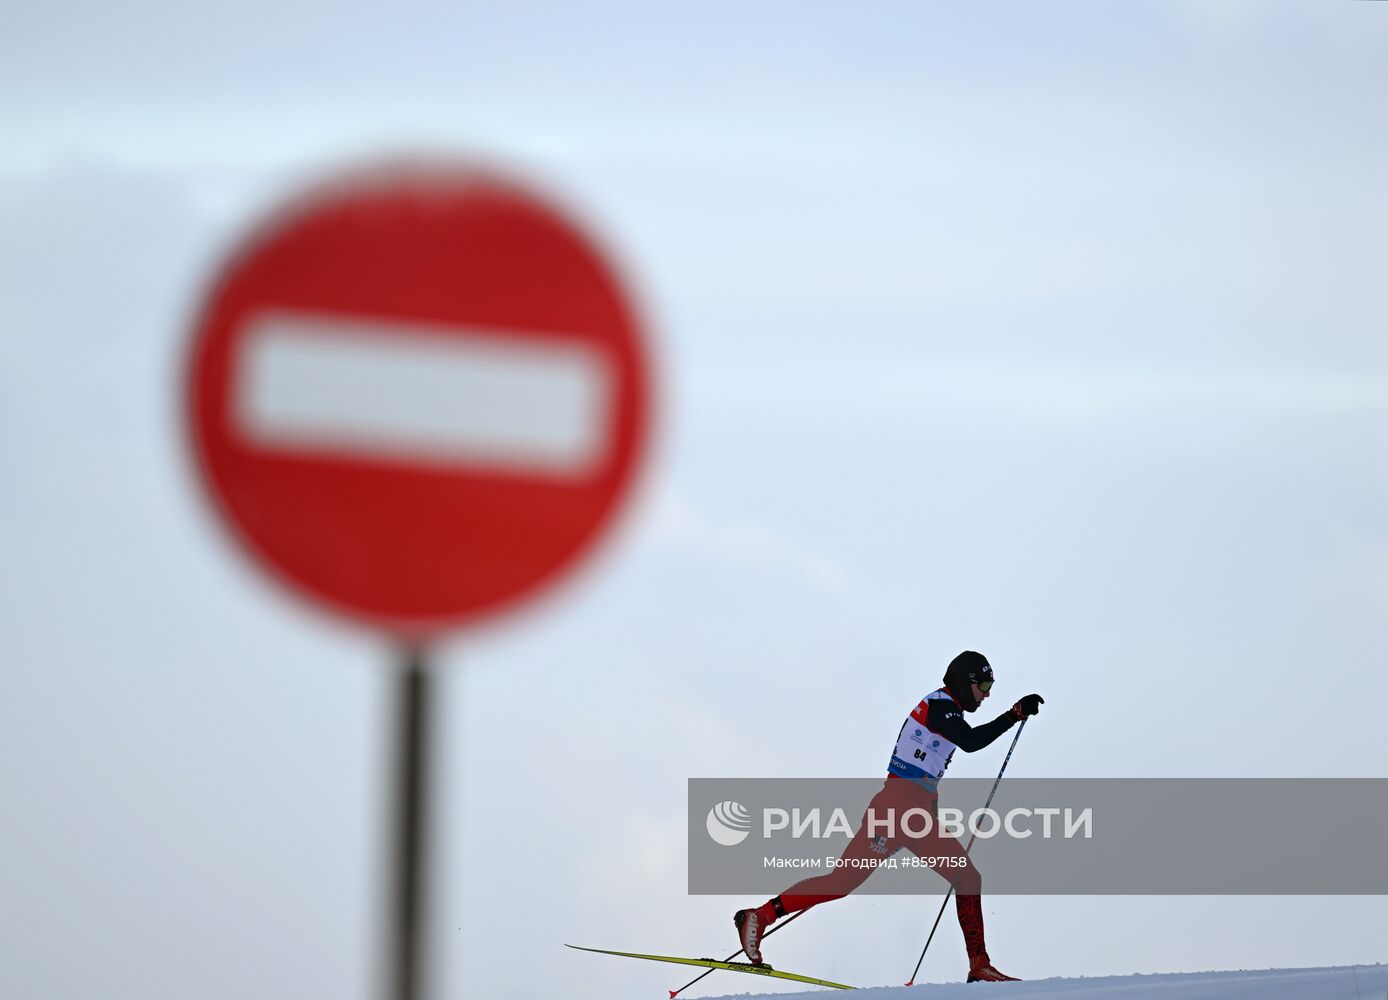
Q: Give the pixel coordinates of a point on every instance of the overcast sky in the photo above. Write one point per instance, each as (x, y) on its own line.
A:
(1050, 330)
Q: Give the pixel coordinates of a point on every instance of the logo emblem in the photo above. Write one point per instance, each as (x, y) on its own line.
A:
(729, 823)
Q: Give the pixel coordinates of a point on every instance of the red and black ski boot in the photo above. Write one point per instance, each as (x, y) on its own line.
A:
(752, 924)
(981, 971)
(749, 933)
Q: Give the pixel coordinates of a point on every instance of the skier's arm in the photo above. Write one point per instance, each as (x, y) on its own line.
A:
(947, 720)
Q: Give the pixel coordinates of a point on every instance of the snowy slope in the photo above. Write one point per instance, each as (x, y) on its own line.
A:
(1363, 982)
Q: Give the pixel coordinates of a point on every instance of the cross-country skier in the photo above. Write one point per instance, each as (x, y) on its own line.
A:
(917, 763)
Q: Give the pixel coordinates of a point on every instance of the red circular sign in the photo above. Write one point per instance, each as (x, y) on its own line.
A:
(417, 395)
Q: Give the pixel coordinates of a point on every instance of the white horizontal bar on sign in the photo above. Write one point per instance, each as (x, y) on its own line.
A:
(409, 392)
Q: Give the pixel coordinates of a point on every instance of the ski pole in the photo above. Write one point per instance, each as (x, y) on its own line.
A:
(675, 993)
(945, 902)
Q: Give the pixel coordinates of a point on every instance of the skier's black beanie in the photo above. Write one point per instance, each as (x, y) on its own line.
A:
(962, 671)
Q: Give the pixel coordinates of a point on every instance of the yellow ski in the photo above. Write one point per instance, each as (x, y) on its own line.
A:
(713, 963)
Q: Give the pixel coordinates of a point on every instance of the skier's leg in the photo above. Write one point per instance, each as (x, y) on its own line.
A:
(859, 859)
(853, 869)
(752, 924)
(953, 862)
(970, 911)
(968, 903)
(854, 866)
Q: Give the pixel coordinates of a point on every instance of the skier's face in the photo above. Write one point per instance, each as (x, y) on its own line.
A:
(980, 695)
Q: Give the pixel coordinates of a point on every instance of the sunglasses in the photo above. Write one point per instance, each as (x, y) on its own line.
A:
(985, 686)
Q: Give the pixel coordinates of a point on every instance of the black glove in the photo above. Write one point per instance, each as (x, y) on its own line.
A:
(1029, 705)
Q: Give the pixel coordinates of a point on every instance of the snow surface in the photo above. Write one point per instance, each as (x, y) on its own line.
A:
(1360, 982)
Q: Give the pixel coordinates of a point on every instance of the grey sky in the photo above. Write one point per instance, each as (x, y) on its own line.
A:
(1050, 330)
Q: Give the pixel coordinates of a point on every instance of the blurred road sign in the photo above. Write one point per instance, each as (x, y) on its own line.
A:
(417, 395)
